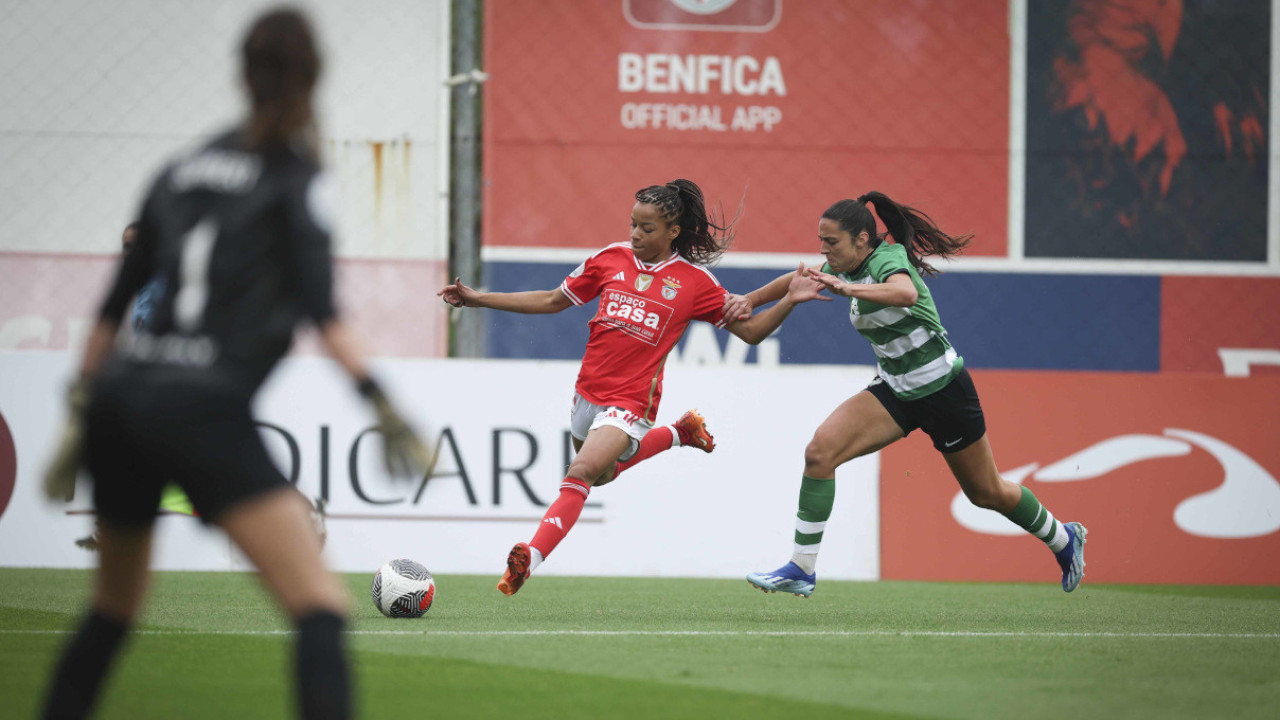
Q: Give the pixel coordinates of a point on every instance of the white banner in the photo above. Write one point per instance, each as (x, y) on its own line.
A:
(503, 426)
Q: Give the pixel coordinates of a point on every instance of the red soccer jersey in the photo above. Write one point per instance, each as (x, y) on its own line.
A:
(643, 311)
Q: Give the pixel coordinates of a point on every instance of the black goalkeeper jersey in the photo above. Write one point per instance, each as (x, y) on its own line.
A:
(241, 240)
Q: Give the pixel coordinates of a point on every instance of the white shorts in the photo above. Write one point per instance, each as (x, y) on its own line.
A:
(587, 417)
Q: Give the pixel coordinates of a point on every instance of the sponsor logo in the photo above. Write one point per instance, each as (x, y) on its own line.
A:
(707, 15)
(1245, 505)
(621, 276)
(953, 442)
(554, 521)
(643, 282)
(643, 318)
(8, 465)
(625, 416)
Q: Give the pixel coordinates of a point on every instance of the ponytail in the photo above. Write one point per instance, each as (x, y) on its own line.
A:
(910, 228)
(280, 64)
(702, 240)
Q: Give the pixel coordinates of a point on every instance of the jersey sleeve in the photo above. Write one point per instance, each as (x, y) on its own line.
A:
(709, 305)
(310, 208)
(584, 283)
(888, 263)
(136, 267)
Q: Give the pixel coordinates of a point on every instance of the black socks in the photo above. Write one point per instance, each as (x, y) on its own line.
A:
(324, 683)
(84, 663)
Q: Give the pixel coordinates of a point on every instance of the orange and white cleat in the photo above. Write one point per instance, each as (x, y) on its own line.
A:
(517, 570)
(692, 430)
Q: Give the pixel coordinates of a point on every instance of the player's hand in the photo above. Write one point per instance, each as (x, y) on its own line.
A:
(406, 455)
(458, 294)
(831, 282)
(804, 288)
(736, 307)
(60, 476)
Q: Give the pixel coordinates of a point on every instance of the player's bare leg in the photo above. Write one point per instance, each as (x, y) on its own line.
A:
(120, 586)
(593, 465)
(860, 425)
(689, 431)
(276, 532)
(975, 469)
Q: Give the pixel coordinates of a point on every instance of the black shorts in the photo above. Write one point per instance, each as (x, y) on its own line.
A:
(145, 430)
(951, 416)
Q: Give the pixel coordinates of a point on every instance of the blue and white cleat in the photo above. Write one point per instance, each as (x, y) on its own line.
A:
(1071, 557)
(788, 578)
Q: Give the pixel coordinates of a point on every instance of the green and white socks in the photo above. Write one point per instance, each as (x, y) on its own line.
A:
(816, 498)
(1036, 519)
(818, 495)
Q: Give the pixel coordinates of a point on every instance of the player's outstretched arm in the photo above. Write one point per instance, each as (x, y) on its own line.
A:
(740, 306)
(800, 289)
(530, 302)
(406, 455)
(896, 291)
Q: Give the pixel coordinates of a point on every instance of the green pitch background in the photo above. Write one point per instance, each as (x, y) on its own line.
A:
(213, 646)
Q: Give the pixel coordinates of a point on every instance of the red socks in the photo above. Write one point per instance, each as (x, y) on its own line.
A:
(564, 512)
(659, 439)
(561, 516)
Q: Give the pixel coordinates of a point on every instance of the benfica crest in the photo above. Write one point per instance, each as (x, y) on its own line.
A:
(669, 288)
(643, 282)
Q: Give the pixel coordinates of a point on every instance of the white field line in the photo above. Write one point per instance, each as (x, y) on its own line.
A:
(701, 633)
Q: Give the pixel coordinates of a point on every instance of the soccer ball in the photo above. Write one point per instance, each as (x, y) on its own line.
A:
(403, 589)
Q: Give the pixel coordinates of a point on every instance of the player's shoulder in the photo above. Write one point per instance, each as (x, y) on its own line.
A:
(887, 258)
(692, 271)
(220, 165)
(615, 251)
(615, 255)
(890, 253)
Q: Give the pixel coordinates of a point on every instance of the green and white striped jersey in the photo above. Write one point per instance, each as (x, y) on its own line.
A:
(914, 356)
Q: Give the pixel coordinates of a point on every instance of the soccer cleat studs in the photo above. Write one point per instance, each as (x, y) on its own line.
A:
(517, 570)
(788, 578)
(692, 429)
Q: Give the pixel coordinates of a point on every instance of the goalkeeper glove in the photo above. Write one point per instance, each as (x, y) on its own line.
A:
(406, 455)
(60, 475)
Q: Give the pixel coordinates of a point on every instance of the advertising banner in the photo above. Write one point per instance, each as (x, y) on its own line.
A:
(1220, 325)
(1147, 129)
(1175, 476)
(785, 106)
(503, 433)
(1024, 321)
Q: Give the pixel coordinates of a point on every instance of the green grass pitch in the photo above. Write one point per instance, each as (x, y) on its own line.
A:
(212, 645)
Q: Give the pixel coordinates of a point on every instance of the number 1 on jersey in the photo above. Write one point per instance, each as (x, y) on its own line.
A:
(193, 280)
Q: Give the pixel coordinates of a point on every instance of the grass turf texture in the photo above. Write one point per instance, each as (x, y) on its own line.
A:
(214, 646)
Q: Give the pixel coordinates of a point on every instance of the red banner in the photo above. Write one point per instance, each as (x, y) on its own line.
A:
(791, 106)
(1220, 324)
(1175, 477)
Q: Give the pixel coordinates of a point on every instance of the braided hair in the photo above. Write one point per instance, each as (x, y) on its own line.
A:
(909, 227)
(701, 240)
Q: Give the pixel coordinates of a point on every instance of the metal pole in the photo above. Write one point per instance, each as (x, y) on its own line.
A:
(467, 338)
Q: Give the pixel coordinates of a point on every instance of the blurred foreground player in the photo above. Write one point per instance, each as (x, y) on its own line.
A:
(239, 229)
(140, 315)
